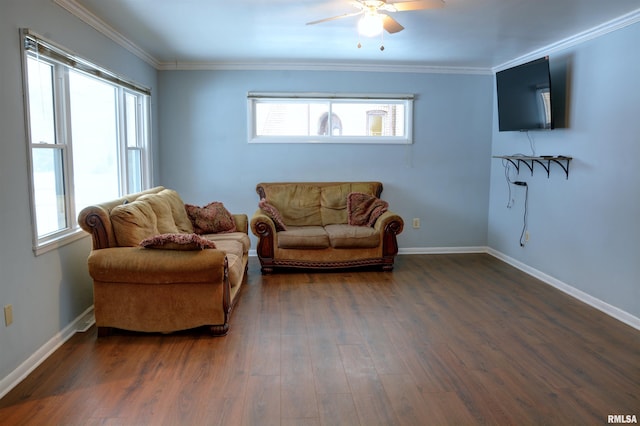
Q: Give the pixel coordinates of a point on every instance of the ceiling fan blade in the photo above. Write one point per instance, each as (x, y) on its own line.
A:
(346, 15)
(391, 25)
(402, 6)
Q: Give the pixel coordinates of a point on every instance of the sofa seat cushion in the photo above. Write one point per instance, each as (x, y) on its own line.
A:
(240, 237)
(233, 250)
(308, 237)
(348, 236)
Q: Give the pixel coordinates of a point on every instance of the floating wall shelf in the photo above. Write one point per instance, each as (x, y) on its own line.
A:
(545, 161)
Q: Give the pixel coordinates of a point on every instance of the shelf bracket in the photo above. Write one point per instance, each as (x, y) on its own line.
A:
(544, 161)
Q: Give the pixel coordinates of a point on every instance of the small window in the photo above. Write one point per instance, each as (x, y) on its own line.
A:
(314, 118)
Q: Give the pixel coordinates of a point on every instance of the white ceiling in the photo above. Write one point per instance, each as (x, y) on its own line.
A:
(465, 34)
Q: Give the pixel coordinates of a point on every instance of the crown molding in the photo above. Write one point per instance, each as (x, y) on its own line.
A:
(597, 31)
(98, 24)
(102, 27)
(318, 66)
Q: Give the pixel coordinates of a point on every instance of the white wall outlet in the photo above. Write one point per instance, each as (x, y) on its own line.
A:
(8, 315)
(526, 236)
(416, 222)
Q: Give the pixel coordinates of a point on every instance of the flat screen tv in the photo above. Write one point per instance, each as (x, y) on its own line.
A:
(524, 97)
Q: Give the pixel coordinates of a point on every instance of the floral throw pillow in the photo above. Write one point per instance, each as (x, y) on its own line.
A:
(178, 242)
(273, 213)
(364, 209)
(213, 218)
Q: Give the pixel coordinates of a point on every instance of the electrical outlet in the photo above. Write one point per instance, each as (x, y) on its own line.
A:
(8, 315)
(526, 236)
(416, 222)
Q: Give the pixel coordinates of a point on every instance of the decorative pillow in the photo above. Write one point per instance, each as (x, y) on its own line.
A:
(273, 213)
(211, 219)
(364, 209)
(178, 242)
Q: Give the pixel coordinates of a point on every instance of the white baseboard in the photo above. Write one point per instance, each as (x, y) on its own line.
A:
(81, 323)
(442, 250)
(600, 305)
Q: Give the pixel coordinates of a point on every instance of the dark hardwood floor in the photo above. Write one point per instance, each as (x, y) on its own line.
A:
(444, 339)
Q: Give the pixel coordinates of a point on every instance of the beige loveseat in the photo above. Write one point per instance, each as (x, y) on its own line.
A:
(307, 225)
(172, 286)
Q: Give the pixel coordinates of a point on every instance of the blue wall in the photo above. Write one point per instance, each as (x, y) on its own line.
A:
(442, 178)
(584, 231)
(48, 292)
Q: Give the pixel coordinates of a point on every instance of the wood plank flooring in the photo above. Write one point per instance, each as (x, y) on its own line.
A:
(444, 339)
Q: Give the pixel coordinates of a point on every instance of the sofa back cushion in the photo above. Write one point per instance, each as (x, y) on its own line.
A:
(162, 210)
(180, 217)
(314, 203)
(333, 202)
(133, 222)
(299, 204)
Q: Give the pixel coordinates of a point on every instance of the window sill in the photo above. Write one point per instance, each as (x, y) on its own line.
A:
(362, 140)
(59, 242)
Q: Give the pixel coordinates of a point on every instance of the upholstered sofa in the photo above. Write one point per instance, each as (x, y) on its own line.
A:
(318, 225)
(151, 271)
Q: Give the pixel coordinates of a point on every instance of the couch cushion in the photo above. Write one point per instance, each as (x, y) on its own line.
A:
(299, 204)
(180, 217)
(133, 222)
(333, 203)
(333, 200)
(303, 237)
(240, 237)
(347, 236)
(164, 215)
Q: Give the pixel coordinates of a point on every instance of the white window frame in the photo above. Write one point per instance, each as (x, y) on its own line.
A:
(253, 98)
(62, 61)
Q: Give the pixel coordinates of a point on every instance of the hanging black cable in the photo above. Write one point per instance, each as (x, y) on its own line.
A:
(526, 205)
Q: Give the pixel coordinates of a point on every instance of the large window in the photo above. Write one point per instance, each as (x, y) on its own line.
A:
(312, 118)
(88, 138)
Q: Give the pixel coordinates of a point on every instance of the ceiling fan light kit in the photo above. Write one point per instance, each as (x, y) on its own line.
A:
(373, 22)
(370, 25)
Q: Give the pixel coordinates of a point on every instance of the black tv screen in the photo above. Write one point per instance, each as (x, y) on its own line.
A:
(524, 97)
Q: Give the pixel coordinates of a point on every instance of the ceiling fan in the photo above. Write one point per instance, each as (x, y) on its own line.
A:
(374, 14)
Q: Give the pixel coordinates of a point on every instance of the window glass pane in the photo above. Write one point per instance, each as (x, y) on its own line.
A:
(369, 119)
(94, 136)
(48, 187)
(41, 107)
(134, 170)
(290, 118)
(131, 121)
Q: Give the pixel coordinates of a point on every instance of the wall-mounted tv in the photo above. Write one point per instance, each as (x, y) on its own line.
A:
(524, 97)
